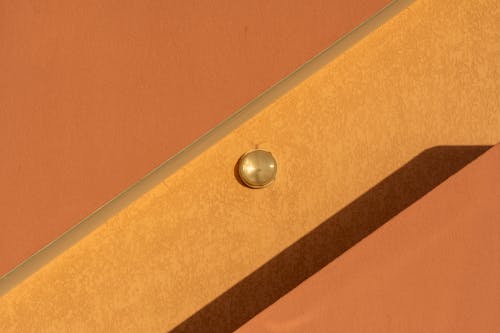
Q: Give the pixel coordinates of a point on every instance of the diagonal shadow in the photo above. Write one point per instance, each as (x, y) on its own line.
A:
(330, 239)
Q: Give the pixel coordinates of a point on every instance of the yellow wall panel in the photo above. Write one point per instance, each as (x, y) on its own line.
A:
(428, 77)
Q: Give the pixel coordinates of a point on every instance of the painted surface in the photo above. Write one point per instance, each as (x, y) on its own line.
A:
(95, 94)
(428, 77)
(433, 268)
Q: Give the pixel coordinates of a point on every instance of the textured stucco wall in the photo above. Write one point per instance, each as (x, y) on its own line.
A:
(428, 77)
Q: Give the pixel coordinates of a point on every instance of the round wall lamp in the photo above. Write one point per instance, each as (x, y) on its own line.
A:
(257, 168)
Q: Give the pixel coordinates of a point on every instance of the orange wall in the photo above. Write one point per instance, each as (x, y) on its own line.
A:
(428, 77)
(433, 268)
(95, 94)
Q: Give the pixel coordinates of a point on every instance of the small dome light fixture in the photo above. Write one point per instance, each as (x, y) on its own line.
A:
(257, 168)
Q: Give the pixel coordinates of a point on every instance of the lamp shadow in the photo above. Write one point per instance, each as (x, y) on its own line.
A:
(330, 239)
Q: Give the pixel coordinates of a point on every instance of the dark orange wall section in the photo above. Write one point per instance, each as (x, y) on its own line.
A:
(433, 268)
(95, 94)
